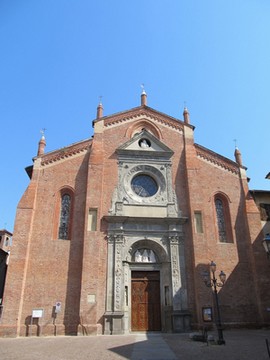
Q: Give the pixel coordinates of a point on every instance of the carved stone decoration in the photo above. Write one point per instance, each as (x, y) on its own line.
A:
(169, 182)
(137, 164)
(148, 170)
(138, 256)
(145, 256)
(175, 272)
(112, 210)
(118, 275)
(111, 239)
(152, 257)
(145, 233)
(119, 238)
(116, 242)
(124, 194)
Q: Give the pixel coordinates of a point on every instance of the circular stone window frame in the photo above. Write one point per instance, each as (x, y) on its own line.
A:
(147, 170)
(142, 177)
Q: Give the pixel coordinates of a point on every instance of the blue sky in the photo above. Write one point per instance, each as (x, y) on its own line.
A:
(58, 56)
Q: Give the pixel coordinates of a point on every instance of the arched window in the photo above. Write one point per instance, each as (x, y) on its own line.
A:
(65, 216)
(223, 220)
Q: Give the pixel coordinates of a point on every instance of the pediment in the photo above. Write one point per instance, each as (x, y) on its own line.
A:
(143, 112)
(145, 144)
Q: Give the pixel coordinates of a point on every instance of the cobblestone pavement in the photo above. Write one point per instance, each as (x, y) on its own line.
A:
(240, 344)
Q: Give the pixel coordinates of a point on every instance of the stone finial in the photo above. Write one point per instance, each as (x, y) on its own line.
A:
(238, 156)
(41, 144)
(186, 115)
(100, 109)
(143, 96)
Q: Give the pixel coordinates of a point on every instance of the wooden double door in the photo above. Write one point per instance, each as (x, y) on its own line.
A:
(145, 302)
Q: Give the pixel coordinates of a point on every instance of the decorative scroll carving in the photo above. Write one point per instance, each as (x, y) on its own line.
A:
(175, 239)
(116, 243)
(116, 238)
(169, 182)
(175, 272)
(120, 239)
(118, 276)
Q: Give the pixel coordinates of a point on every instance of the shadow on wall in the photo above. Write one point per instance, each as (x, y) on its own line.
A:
(244, 297)
(262, 263)
(249, 276)
(237, 299)
(83, 329)
(33, 326)
(74, 276)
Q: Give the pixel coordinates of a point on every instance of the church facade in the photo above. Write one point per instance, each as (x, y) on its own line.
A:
(115, 234)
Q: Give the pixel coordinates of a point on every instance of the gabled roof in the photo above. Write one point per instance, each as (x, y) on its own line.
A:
(217, 159)
(60, 154)
(140, 111)
(65, 152)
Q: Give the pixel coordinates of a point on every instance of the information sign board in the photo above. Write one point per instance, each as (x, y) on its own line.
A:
(37, 313)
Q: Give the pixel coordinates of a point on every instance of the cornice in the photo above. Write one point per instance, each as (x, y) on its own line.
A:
(148, 113)
(65, 152)
(217, 159)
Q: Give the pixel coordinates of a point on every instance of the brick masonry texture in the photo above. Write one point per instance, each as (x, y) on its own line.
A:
(44, 269)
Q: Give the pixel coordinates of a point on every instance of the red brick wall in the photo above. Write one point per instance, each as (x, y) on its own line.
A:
(44, 269)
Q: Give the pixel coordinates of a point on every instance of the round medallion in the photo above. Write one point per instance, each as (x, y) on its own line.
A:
(144, 143)
(144, 185)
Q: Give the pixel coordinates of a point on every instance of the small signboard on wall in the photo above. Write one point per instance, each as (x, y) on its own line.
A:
(58, 307)
(37, 313)
(207, 314)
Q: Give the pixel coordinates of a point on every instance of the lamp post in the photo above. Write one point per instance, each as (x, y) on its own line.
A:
(266, 244)
(213, 283)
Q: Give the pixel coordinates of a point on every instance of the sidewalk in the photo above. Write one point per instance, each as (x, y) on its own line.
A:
(240, 345)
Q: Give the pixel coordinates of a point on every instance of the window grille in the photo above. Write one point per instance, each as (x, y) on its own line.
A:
(221, 220)
(64, 217)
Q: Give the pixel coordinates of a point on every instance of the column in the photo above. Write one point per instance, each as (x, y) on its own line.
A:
(180, 316)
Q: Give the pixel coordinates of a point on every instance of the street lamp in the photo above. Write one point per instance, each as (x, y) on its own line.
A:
(266, 244)
(213, 283)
